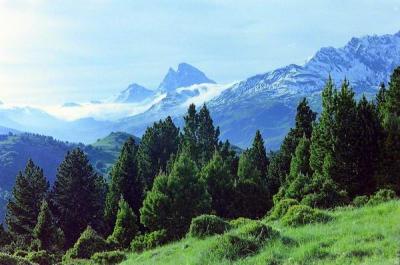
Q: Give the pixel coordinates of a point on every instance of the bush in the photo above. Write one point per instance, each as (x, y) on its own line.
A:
(258, 231)
(302, 214)
(232, 247)
(360, 201)
(6, 259)
(21, 253)
(41, 257)
(281, 208)
(207, 225)
(149, 241)
(383, 195)
(88, 243)
(109, 258)
(236, 223)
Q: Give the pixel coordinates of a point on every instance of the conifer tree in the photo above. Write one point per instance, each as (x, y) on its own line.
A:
(158, 143)
(77, 196)
(22, 210)
(252, 197)
(207, 136)
(219, 181)
(259, 155)
(124, 182)
(125, 228)
(389, 172)
(175, 199)
(51, 238)
(189, 137)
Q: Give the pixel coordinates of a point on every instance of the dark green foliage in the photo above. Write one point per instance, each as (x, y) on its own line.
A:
(5, 237)
(6, 259)
(389, 172)
(158, 143)
(87, 244)
(109, 258)
(207, 225)
(50, 237)
(125, 226)
(149, 240)
(233, 247)
(235, 223)
(383, 195)
(252, 198)
(301, 215)
(21, 253)
(219, 181)
(29, 191)
(360, 201)
(200, 138)
(175, 199)
(77, 196)
(41, 257)
(125, 182)
(281, 208)
(280, 162)
(259, 154)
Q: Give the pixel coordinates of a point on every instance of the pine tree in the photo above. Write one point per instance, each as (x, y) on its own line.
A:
(189, 137)
(279, 166)
(125, 228)
(175, 199)
(207, 136)
(158, 144)
(125, 182)
(389, 172)
(259, 155)
(77, 196)
(219, 181)
(367, 146)
(252, 197)
(51, 238)
(22, 210)
(300, 163)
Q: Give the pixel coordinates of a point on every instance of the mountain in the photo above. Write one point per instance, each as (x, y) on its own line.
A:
(268, 101)
(185, 76)
(134, 93)
(48, 153)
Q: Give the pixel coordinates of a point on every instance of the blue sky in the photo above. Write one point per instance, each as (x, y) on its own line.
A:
(58, 51)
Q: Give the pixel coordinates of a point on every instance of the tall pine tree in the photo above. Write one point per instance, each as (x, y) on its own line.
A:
(22, 210)
(77, 196)
(125, 182)
(158, 144)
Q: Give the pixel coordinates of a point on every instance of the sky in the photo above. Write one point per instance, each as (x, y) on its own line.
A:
(75, 51)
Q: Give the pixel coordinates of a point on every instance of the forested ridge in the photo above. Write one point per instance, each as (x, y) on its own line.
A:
(179, 182)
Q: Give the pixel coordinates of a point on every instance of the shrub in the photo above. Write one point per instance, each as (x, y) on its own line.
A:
(236, 223)
(302, 214)
(6, 259)
(258, 231)
(381, 196)
(21, 253)
(149, 241)
(232, 247)
(88, 243)
(281, 208)
(207, 225)
(109, 258)
(41, 257)
(360, 201)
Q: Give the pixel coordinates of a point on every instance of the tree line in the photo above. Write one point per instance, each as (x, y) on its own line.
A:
(174, 175)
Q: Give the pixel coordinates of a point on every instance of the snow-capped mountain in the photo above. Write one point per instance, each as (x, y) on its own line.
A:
(185, 76)
(268, 101)
(134, 93)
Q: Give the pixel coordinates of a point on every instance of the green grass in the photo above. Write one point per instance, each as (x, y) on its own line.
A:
(368, 235)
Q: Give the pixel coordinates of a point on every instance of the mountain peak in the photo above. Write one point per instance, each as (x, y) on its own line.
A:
(134, 93)
(185, 75)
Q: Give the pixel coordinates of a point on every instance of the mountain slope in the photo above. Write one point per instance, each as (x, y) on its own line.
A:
(134, 93)
(268, 101)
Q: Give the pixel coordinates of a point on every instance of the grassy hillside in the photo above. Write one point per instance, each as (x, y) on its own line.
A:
(368, 235)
